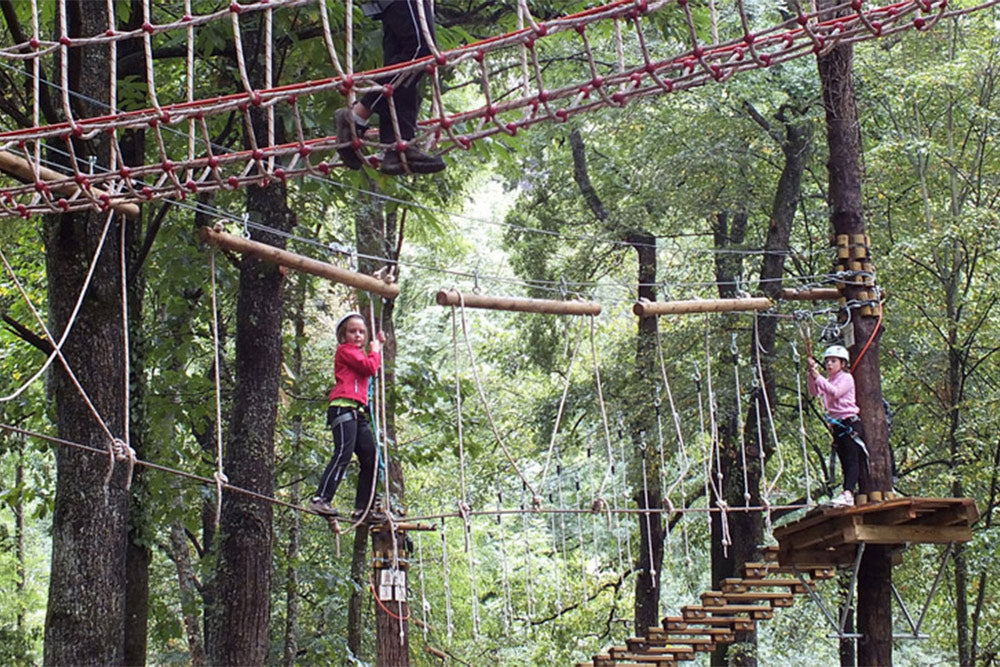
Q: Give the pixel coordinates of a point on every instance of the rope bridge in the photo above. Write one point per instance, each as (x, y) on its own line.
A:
(183, 159)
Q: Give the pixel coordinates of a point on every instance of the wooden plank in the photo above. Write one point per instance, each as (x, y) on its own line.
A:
(912, 534)
(308, 265)
(737, 623)
(516, 304)
(18, 167)
(734, 585)
(658, 634)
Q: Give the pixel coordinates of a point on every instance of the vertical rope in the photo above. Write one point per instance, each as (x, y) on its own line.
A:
(802, 422)
(425, 606)
(717, 486)
(458, 406)
(449, 613)
(126, 451)
(220, 476)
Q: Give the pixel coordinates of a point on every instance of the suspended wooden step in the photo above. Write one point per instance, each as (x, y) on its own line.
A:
(654, 308)
(812, 294)
(831, 535)
(517, 304)
(290, 260)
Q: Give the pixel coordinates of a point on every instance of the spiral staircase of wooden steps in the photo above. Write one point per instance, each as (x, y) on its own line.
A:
(809, 551)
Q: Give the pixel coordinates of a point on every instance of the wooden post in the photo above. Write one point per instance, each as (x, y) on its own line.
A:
(298, 262)
(524, 305)
(652, 308)
(19, 168)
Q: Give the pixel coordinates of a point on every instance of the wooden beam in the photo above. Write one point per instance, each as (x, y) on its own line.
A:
(653, 308)
(814, 294)
(21, 169)
(290, 260)
(523, 305)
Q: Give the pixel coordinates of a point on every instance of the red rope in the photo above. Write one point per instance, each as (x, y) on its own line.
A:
(871, 338)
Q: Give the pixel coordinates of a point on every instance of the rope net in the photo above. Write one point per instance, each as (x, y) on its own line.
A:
(621, 51)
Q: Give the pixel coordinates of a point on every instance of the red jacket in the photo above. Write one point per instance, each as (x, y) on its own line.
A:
(351, 370)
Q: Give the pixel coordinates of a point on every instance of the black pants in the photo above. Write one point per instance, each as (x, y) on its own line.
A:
(349, 437)
(849, 451)
(402, 40)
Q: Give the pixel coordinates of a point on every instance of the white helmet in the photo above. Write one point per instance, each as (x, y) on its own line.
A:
(838, 352)
(343, 320)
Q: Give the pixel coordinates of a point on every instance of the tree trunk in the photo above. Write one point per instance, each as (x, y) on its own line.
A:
(85, 620)
(874, 616)
(377, 234)
(645, 470)
(188, 591)
(745, 528)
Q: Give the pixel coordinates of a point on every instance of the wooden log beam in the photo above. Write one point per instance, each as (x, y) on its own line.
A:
(298, 262)
(814, 294)
(522, 305)
(912, 534)
(653, 308)
(22, 170)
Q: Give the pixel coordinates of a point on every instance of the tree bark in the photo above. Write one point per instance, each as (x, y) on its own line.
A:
(85, 620)
(874, 615)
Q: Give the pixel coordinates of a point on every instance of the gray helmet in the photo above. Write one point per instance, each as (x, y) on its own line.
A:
(343, 320)
(838, 352)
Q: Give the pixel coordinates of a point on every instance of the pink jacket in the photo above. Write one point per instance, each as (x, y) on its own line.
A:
(837, 393)
(351, 370)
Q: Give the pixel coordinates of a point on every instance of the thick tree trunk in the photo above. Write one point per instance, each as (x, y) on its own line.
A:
(243, 581)
(377, 235)
(745, 528)
(645, 469)
(874, 615)
(244, 573)
(85, 621)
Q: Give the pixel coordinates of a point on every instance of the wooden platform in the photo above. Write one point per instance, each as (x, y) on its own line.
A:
(829, 536)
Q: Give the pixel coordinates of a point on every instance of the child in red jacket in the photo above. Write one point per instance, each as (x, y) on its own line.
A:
(347, 414)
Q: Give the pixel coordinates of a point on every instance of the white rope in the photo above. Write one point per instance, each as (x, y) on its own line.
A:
(536, 499)
(220, 476)
(127, 452)
(739, 418)
(449, 613)
(717, 484)
(425, 605)
(604, 414)
(562, 405)
(802, 423)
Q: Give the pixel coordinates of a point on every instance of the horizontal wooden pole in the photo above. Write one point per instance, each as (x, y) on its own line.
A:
(912, 534)
(814, 294)
(653, 308)
(523, 305)
(290, 260)
(18, 167)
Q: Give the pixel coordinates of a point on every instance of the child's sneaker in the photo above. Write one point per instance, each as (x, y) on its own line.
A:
(845, 499)
(321, 506)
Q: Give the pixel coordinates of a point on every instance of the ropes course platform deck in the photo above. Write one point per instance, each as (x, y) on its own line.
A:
(830, 536)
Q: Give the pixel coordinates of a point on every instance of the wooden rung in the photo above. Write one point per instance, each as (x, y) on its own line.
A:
(658, 633)
(652, 308)
(755, 612)
(269, 253)
(745, 585)
(736, 623)
(773, 598)
(516, 304)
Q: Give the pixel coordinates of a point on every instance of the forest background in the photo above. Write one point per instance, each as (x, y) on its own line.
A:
(552, 212)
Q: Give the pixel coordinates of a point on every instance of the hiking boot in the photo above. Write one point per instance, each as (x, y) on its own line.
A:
(416, 162)
(321, 506)
(347, 132)
(845, 499)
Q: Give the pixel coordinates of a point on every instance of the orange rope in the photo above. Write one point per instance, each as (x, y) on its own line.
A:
(870, 340)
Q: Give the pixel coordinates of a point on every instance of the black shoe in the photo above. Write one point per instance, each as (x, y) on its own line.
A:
(321, 506)
(347, 132)
(416, 162)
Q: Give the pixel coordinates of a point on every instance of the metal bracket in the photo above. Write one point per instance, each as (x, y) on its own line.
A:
(915, 627)
(838, 627)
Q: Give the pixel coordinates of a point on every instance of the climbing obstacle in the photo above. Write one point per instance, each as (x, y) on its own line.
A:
(809, 551)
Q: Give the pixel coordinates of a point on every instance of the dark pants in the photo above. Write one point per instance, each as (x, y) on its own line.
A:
(402, 40)
(845, 436)
(349, 437)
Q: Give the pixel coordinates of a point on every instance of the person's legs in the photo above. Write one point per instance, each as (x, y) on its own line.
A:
(365, 448)
(850, 461)
(344, 438)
